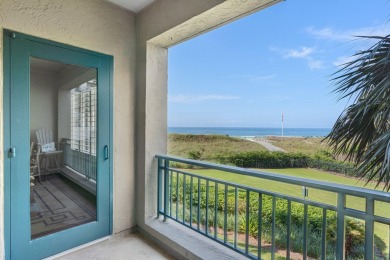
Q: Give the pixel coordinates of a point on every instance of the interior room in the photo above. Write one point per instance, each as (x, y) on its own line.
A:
(63, 101)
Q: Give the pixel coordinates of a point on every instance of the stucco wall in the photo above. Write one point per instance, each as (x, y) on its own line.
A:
(99, 26)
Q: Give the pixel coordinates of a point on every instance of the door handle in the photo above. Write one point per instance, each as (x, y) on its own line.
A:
(12, 152)
(106, 152)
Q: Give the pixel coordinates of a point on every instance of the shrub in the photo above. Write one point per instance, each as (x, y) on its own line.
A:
(323, 160)
(195, 155)
(265, 159)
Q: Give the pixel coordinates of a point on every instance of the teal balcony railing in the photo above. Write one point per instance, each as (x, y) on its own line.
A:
(81, 162)
(300, 218)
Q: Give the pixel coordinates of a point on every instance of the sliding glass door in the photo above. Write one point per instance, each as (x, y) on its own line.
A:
(59, 170)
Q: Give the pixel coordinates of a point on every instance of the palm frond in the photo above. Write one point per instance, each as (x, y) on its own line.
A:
(362, 131)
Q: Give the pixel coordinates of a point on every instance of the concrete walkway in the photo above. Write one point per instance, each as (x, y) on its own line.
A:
(267, 145)
(131, 246)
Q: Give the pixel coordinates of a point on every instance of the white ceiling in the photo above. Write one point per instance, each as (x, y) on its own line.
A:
(132, 5)
(53, 66)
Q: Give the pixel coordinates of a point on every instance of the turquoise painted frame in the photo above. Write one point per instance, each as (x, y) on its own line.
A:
(7, 144)
(7, 37)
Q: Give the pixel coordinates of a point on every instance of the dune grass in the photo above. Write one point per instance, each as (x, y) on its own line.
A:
(208, 146)
(307, 145)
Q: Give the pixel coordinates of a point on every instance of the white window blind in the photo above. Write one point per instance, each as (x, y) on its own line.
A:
(83, 118)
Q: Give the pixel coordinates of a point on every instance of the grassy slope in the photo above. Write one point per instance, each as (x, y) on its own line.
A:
(309, 145)
(208, 145)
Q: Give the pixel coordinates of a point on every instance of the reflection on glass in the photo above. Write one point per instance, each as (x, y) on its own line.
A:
(63, 102)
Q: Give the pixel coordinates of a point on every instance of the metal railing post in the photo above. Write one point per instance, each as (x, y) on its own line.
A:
(323, 235)
(340, 238)
(159, 197)
(369, 230)
(166, 188)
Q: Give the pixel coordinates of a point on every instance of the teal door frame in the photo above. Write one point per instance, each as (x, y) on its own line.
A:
(16, 48)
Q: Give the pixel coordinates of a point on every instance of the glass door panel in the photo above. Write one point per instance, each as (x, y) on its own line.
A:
(58, 169)
(63, 102)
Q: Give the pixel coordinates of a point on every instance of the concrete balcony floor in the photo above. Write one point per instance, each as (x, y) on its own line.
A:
(131, 246)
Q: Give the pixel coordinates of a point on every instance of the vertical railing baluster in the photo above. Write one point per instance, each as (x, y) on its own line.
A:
(288, 235)
(369, 229)
(198, 225)
(247, 223)
(273, 228)
(159, 188)
(388, 245)
(207, 208)
(225, 216)
(166, 188)
(177, 196)
(340, 242)
(305, 209)
(184, 197)
(259, 225)
(191, 196)
(235, 215)
(170, 192)
(323, 239)
(216, 211)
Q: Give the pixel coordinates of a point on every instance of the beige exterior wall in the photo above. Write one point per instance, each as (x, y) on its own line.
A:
(99, 26)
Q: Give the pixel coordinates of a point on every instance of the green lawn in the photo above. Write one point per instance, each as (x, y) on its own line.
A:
(381, 209)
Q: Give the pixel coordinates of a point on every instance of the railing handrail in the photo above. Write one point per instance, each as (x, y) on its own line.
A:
(334, 187)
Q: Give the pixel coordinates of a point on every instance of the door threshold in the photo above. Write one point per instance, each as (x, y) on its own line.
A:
(77, 248)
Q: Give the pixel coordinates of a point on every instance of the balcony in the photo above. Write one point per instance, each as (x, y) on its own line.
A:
(305, 219)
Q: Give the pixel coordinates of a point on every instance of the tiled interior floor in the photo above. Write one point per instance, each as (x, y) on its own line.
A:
(132, 246)
(57, 204)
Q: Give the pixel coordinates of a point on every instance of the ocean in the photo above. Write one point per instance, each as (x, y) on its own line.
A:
(251, 131)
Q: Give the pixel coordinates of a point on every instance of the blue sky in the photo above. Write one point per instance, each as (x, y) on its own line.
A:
(278, 60)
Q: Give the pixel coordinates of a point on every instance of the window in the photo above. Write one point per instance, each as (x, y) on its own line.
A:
(83, 118)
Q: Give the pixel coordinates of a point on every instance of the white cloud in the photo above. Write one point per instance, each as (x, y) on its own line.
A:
(302, 52)
(299, 53)
(347, 35)
(181, 98)
(343, 60)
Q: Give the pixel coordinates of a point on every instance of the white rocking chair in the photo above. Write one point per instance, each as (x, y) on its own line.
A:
(48, 150)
